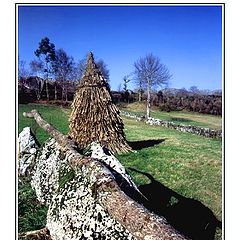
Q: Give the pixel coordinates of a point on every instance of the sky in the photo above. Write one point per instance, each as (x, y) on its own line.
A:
(187, 39)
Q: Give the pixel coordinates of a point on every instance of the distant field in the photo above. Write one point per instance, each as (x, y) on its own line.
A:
(179, 117)
(188, 164)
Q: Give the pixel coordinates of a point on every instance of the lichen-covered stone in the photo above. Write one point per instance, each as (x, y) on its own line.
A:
(106, 156)
(27, 148)
(45, 179)
(52, 168)
(75, 214)
(74, 211)
(26, 140)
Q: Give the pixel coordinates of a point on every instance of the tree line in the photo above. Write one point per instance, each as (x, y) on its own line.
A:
(169, 99)
(53, 68)
(54, 75)
(181, 99)
(57, 65)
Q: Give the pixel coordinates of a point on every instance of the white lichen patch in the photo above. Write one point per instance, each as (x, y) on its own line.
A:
(45, 179)
(26, 140)
(27, 149)
(75, 214)
(107, 157)
(74, 209)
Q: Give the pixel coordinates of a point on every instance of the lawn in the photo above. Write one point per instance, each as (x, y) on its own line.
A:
(188, 164)
(57, 116)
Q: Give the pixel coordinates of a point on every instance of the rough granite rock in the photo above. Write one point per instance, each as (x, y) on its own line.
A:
(74, 212)
(27, 151)
(106, 156)
(45, 179)
(51, 164)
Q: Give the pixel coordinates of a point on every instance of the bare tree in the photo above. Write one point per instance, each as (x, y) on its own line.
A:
(151, 73)
(102, 66)
(62, 67)
(119, 88)
(37, 67)
(22, 71)
(77, 71)
(139, 84)
(126, 80)
(194, 89)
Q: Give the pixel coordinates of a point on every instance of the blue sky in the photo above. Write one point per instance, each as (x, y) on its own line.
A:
(188, 39)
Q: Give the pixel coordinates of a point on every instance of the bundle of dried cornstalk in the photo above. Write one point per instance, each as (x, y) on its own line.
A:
(135, 218)
(94, 116)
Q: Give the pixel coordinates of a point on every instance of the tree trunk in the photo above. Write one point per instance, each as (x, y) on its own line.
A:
(148, 100)
(55, 93)
(38, 95)
(66, 93)
(140, 95)
(47, 92)
(134, 217)
(38, 90)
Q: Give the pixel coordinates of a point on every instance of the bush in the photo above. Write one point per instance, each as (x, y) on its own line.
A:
(26, 95)
(208, 104)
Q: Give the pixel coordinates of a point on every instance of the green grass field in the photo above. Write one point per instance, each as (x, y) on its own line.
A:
(57, 116)
(179, 117)
(188, 164)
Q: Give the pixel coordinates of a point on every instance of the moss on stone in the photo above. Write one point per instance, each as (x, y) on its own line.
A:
(65, 176)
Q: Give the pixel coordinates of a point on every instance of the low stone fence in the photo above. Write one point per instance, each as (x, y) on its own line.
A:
(88, 196)
(206, 132)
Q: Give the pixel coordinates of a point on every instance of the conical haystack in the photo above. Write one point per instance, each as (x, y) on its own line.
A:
(94, 117)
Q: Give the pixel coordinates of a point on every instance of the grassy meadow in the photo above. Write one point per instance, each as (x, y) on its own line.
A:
(179, 117)
(57, 116)
(188, 164)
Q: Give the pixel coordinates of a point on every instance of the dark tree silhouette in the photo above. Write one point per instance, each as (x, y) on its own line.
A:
(103, 68)
(194, 89)
(47, 51)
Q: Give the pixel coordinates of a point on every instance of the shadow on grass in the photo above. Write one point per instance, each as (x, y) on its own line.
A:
(138, 145)
(187, 215)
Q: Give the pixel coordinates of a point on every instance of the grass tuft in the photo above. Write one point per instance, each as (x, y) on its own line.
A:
(31, 214)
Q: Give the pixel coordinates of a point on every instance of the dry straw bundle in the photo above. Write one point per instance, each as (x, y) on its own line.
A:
(94, 116)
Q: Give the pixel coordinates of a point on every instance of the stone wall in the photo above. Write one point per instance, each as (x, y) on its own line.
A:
(206, 132)
(73, 210)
